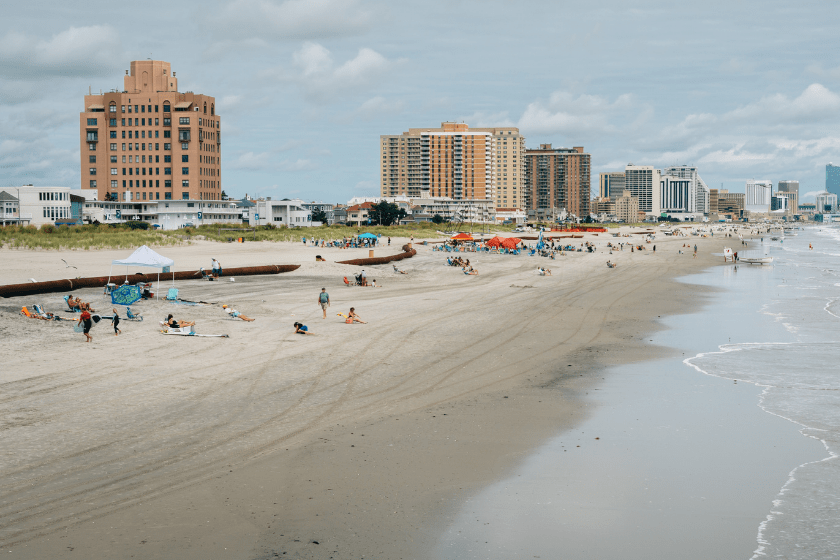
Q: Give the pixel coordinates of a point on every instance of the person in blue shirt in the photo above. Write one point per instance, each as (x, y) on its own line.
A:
(300, 328)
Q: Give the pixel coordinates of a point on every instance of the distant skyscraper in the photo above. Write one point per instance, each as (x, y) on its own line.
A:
(832, 178)
(611, 185)
(698, 195)
(758, 196)
(789, 186)
(558, 178)
(643, 182)
(455, 161)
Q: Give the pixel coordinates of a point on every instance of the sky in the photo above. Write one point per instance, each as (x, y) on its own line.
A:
(304, 88)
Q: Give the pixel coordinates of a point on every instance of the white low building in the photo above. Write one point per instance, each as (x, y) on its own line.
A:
(286, 212)
(476, 211)
(166, 214)
(41, 205)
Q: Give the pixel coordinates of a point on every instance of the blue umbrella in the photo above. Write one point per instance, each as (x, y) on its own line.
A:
(126, 295)
(367, 236)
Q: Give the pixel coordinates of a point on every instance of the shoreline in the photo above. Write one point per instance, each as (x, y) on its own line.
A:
(295, 483)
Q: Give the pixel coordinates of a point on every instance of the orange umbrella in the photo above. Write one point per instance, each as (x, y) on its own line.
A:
(462, 237)
(495, 242)
(511, 242)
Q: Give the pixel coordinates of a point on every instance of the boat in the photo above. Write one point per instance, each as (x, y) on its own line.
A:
(756, 260)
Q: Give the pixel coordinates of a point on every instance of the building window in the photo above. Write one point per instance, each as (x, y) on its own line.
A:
(165, 107)
(167, 121)
(157, 146)
(92, 159)
(113, 171)
(157, 121)
(113, 134)
(93, 183)
(156, 110)
(185, 183)
(185, 171)
(92, 136)
(167, 134)
(167, 184)
(167, 158)
(157, 134)
(181, 120)
(185, 196)
(167, 195)
(123, 146)
(166, 145)
(183, 135)
(185, 146)
(91, 122)
(184, 158)
(113, 159)
(92, 171)
(167, 171)
(129, 108)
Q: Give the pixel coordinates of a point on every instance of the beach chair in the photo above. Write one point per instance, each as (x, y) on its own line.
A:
(68, 305)
(131, 316)
(172, 294)
(25, 312)
(348, 282)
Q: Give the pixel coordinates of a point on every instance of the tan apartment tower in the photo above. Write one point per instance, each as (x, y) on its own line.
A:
(558, 178)
(455, 161)
(149, 141)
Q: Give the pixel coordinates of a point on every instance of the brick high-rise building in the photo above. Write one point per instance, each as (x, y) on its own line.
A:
(149, 141)
(455, 161)
(558, 178)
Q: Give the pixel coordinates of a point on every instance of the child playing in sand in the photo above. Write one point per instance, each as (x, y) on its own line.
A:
(300, 328)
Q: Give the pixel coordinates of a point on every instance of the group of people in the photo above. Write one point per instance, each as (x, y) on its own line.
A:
(76, 304)
(466, 268)
(324, 301)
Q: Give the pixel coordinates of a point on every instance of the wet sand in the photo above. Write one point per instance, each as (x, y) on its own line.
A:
(363, 438)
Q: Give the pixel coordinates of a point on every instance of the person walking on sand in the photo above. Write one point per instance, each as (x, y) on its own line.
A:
(86, 319)
(353, 317)
(389, 242)
(324, 300)
(116, 322)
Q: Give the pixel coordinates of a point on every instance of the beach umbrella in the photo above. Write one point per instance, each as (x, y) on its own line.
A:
(126, 295)
(511, 242)
(462, 237)
(367, 236)
(495, 242)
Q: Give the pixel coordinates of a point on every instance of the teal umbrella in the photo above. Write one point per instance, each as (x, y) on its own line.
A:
(367, 236)
(126, 295)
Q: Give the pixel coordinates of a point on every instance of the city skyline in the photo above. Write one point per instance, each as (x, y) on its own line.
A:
(743, 97)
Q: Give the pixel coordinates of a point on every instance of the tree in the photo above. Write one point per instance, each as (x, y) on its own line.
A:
(437, 219)
(319, 216)
(224, 195)
(588, 220)
(385, 213)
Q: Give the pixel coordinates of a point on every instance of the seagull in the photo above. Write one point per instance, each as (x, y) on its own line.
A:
(68, 265)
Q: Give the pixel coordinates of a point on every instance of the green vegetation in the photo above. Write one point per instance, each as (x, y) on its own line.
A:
(123, 236)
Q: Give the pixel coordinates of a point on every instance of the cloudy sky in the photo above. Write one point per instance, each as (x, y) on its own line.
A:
(304, 88)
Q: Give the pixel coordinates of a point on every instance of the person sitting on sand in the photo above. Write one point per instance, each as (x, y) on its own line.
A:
(353, 317)
(398, 271)
(73, 303)
(170, 321)
(236, 314)
(374, 284)
(300, 328)
(84, 306)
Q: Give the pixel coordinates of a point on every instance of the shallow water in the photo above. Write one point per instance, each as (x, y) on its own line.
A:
(688, 465)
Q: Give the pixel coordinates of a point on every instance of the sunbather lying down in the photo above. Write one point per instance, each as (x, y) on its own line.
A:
(236, 314)
(170, 321)
(398, 271)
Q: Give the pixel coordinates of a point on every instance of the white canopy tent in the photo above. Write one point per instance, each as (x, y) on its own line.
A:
(148, 258)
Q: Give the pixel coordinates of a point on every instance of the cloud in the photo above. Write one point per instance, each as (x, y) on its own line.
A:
(376, 108)
(815, 104)
(293, 19)
(566, 114)
(321, 80)
(268, 161)
(75, 52)
(481, 119)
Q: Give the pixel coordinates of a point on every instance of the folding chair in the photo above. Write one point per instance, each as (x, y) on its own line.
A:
(172, 295)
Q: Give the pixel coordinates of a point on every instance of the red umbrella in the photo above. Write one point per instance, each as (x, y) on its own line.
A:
(462, 237)
(495, 242)
(511, 242)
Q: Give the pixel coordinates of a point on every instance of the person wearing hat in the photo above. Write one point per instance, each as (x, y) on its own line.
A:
(236, 314)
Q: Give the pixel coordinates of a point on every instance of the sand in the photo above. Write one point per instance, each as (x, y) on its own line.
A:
(359, 441)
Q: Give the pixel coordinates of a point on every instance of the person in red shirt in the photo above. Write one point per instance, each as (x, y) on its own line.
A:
(88, 323)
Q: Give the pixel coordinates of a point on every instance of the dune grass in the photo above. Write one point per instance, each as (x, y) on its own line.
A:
(86, 237)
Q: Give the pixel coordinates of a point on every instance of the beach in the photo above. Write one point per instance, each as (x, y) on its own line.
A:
(360, 441)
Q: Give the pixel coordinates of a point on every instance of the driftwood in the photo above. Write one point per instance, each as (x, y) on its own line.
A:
(406, 254)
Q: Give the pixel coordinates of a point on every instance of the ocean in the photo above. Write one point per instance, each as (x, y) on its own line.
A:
(727, 450)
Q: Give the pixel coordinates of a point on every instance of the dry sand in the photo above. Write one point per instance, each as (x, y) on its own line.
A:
(363, 439)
